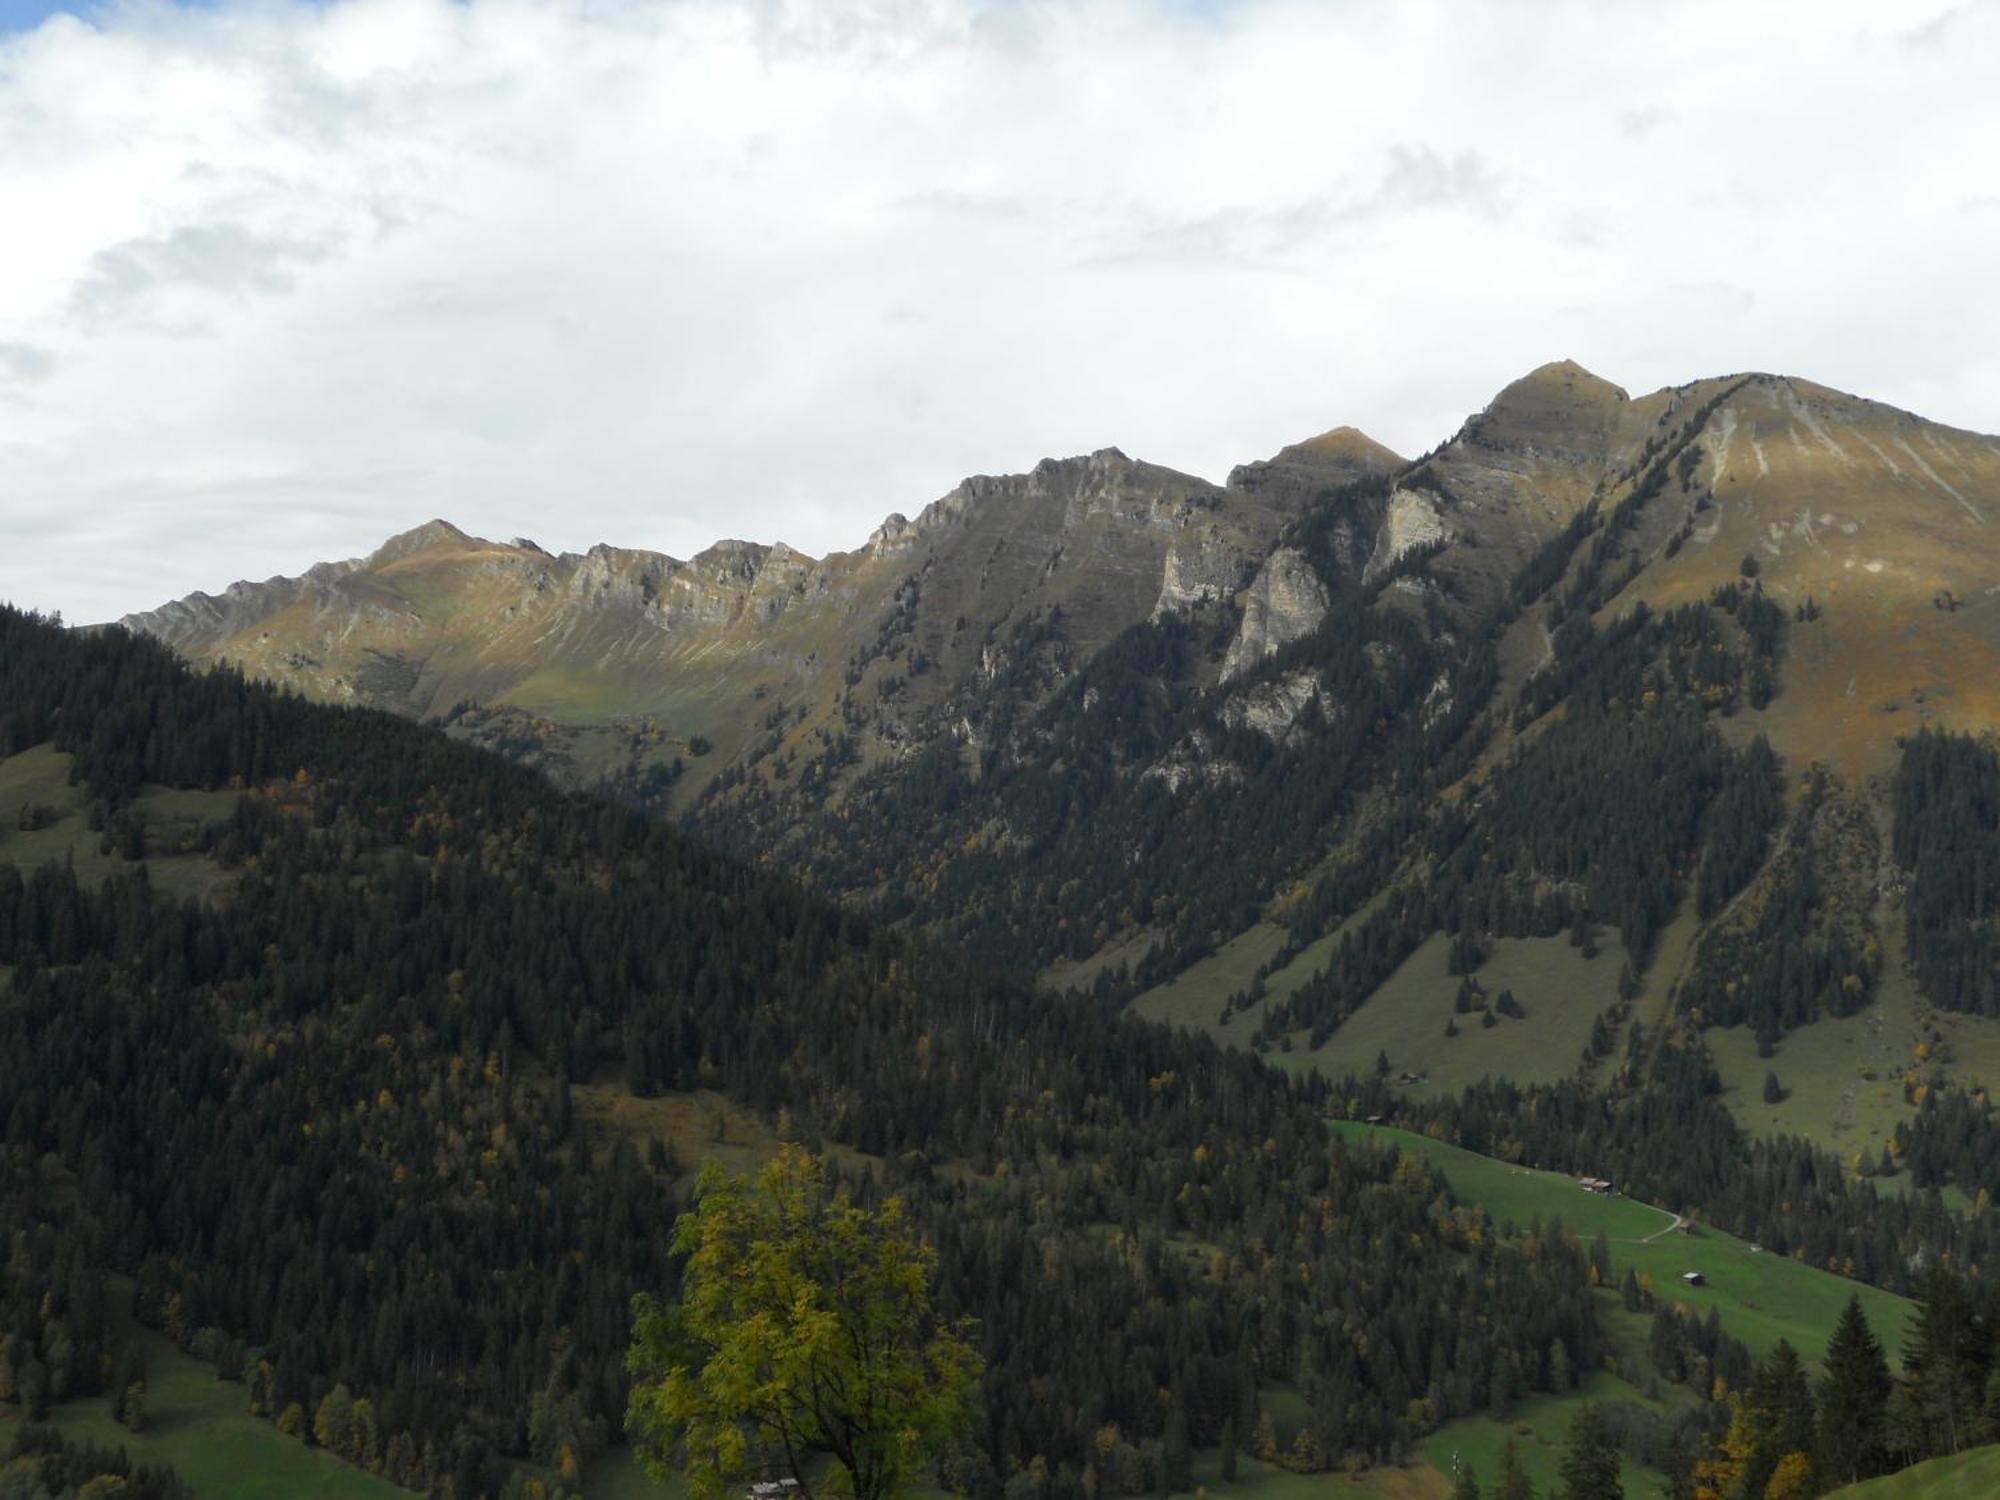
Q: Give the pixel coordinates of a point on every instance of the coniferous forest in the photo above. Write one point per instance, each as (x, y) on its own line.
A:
(324, 1124)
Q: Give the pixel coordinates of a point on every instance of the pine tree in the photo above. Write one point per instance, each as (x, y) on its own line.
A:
(1943, 1365)
(1851, 1400)
(1590, 1466)
(1466, 1487)
(1777, 1414)
(1512, 1484)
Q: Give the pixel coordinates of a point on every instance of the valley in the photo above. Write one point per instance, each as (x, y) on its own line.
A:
(1086, 861)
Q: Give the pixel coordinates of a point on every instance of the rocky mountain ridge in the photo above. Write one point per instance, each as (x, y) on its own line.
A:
(971, 719)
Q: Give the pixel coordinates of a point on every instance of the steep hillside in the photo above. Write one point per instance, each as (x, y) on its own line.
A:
(330, 1122)
(1268, 741)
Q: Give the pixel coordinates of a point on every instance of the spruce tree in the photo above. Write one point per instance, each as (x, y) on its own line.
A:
(1512, 1483)
(1778, 1416)
(1944, 1366)
(1851, 1400)
(1590, 1466)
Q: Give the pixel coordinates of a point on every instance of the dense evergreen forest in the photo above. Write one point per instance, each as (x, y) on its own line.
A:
(1947, 799)
(325, 1123)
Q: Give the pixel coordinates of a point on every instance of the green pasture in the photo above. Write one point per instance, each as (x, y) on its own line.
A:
(1761, 1297)
(1963, 1476)
(199, 1425)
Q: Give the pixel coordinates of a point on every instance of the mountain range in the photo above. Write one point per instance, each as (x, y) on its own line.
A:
(891, 721)
(1607, 790)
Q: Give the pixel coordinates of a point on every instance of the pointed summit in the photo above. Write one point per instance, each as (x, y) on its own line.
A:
(1349, 445)
(1560, 407)
(1337, 456)
(433, 533)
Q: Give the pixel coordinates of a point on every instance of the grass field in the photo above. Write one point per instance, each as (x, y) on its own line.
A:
(1540, 1430)
(1963, 1476)
(1076, 973)
(198, 1425)
(40, 777)
(1761, 1297)
(1844, 1078)
(1562, 992)
(700, 1127)
(1193, 997)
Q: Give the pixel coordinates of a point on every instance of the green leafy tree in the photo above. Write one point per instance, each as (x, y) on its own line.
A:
(805, 1327)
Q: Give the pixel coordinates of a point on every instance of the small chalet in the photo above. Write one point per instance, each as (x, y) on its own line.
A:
(773, 1489)
(1601, 1185)
(1694, 1278)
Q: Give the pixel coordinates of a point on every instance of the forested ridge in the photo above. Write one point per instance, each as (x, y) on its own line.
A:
(324, 1123)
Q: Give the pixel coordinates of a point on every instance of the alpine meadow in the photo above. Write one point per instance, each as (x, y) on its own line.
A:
(1457, 959)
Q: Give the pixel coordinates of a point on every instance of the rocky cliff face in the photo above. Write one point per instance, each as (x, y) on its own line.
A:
(1286, 602)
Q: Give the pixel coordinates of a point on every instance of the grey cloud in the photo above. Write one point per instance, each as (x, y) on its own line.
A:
(24, 364)
(957, 204)
(1936, 31)
(1640, 123)
(223, 257)
(1417, 179)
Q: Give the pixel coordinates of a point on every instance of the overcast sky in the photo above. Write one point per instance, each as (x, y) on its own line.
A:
(278, 280)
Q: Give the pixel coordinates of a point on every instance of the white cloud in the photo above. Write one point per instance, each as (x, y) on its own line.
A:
(278, 279)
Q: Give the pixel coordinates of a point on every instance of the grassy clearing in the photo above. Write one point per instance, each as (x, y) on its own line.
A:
(1843, 1079)
(1193, 998)
(1077, 973)
(699, 1127)
(1956, 1478)
(1561, 991)
(617, 1475)
(1761, 1297)
(198, 1425)
(39, 777)
(1540, 1430)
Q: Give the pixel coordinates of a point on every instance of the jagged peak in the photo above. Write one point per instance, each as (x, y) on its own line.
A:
(734, 556)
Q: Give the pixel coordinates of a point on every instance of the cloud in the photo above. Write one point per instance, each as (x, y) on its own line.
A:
(221, 258)
(24, 364)
(1640, 123)
(658, 273)
(1415, 180)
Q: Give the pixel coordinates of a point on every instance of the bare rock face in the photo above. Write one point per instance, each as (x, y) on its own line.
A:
(1284, 602)
(1413, 519)
(1272, 708)
(1204, 564)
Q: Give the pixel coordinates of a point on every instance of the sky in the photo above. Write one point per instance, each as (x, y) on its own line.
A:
(279, 280)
